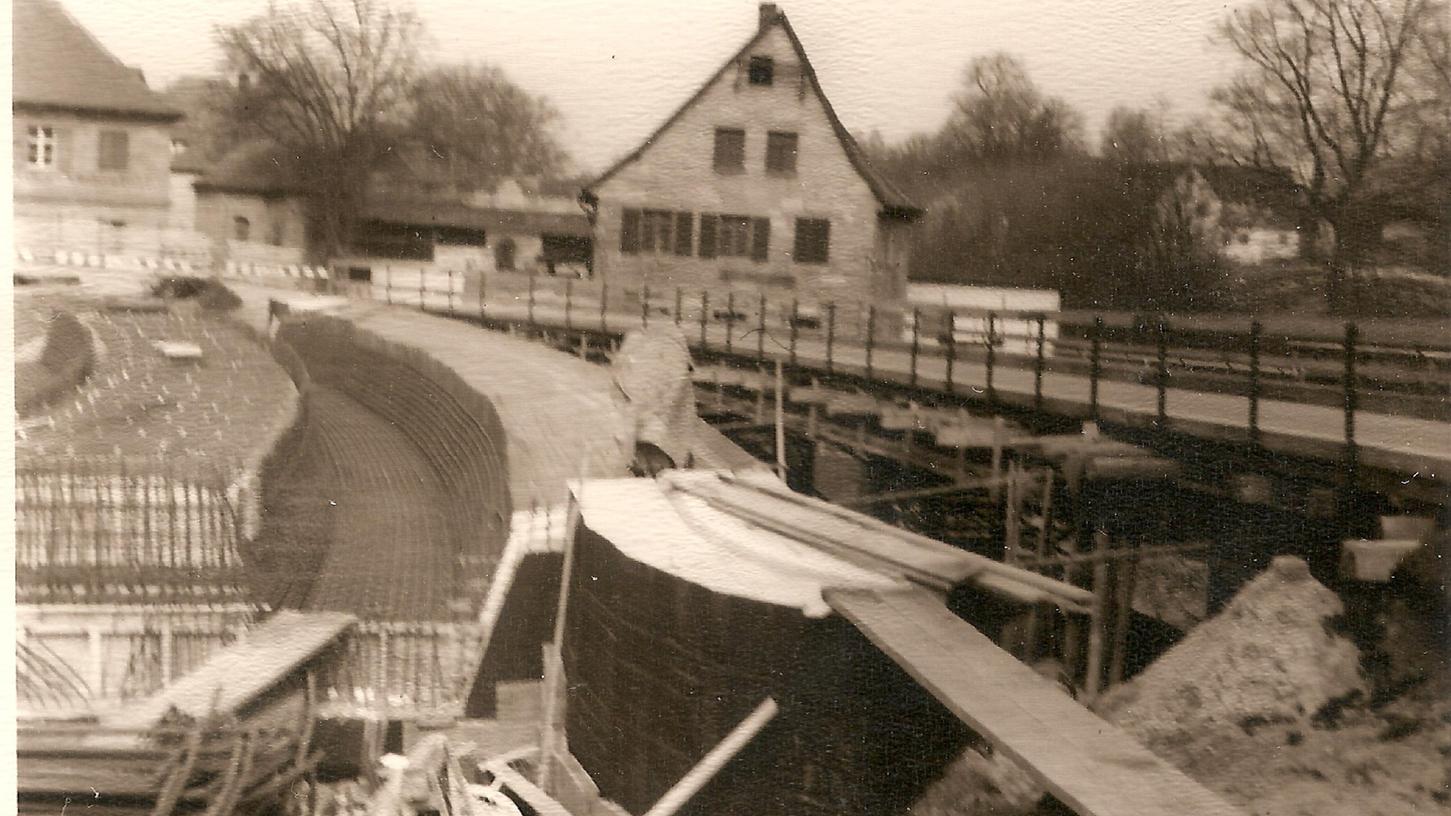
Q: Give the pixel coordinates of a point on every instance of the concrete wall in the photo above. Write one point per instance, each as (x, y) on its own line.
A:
(183, 201)
(77, 228)
(74, 186)
(676, 173)
(275, 220)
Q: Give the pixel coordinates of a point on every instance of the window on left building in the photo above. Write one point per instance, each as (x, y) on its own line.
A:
(241, 228)
(40, 148)
(115, 150)
(659, 232)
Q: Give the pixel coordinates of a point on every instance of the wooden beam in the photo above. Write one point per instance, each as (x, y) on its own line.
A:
(1084, 762)
(962, 486)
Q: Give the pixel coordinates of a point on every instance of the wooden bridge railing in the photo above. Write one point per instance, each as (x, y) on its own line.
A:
(1307, 361)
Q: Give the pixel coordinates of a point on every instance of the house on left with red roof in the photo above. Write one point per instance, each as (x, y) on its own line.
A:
(92, 144)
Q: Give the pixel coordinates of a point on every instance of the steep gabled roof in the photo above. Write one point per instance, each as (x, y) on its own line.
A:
(58, 65)
(894, 202)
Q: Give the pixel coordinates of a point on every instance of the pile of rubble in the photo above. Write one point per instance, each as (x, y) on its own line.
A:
(1272, 704)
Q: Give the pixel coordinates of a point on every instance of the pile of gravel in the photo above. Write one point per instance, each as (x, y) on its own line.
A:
(1272, 655)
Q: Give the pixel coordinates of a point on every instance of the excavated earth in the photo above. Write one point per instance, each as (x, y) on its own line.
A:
(1286, 703)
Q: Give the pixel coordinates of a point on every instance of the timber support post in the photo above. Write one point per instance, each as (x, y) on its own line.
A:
(830, 334)
(992, 394)
(1255, 331)
(1161, 374)
(1095, 366)
(1038, 368)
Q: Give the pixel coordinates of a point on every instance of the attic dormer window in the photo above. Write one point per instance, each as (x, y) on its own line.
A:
(763, 70)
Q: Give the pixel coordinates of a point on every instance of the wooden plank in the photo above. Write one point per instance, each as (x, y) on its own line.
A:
(873, 543)
(232, 677)
(1087, 764)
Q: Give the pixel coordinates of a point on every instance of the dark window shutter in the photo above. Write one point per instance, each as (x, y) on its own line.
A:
(684, 223)
(813, 240)
(114, 150)
(62, 142)
(760, 238)
(730, 150)
(630, 231)
(707, 235)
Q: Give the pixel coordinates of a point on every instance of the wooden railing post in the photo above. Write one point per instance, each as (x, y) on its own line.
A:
(1255, 330)
(388, 282)
(1352, 453)
(830, 335)
(1093, 679)
(531, 297)
(604, 306)
(679, 304)
(951, 350)
(704, 316)
(992, 353)
(482, 285)
(450, 291)
(1095, 366)
(422, 287)
(1038, 367)
(795, 328)
(761, 330)
(1162, 373)
(916, 344)
(871, 336)
(568, 303)
(645, 306)
(730, 320)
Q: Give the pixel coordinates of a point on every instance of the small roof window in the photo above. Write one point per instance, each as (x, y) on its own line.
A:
(763, 70)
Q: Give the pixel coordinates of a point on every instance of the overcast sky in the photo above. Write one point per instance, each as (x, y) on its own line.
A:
(616, 69)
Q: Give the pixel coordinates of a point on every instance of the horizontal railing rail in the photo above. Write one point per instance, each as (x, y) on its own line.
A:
(1402, 371)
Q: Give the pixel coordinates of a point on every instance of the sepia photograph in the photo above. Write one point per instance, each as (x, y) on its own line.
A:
(800, 408)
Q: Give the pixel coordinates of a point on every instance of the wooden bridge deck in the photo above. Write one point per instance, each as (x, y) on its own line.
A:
(1407, 447)
(1087, 764)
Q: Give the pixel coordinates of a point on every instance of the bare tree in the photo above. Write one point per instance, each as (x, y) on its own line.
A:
(326, 83)
(1323, 99)
(482, 127)
(1138, 135)
(1001, 114)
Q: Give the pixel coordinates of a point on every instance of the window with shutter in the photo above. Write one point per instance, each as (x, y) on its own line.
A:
(763, 70)
(630, 231)
(684, 222)
(41, 146)
(813, 240)
(733, 236)
(730, 150)
(781, 153)
(114, 152)
(707, 235)
(657, 229)
(760, 238)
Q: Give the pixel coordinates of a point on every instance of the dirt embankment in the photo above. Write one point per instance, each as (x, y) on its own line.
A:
(1273, 705)
(1277, 706)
